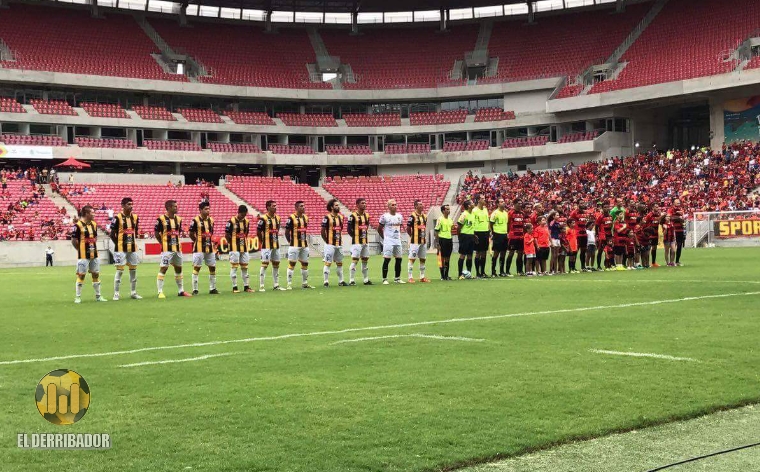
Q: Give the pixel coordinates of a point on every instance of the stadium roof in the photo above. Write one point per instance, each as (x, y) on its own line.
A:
(351, 5)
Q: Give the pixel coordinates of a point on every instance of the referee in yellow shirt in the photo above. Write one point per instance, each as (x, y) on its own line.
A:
(444, 242)
(498, 224)
(480, 213)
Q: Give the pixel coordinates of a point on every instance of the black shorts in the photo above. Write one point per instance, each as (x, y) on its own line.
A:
(680, 238)
(591, 248)
(482, 244)
(515, 244)
(582, 242)
(499, 243)
(643, 249)
(466, 244)
(542, 254)
(619, 250)
(654, 241)
(447, 246)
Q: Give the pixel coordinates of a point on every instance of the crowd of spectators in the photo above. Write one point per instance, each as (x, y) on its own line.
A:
(703, 179)
(20, 218)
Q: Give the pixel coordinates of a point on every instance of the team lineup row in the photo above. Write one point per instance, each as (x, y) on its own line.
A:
(625, 238)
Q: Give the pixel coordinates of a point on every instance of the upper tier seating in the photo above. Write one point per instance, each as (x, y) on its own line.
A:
(438, 118)
(579, 136)
(458, 146)
(33, 140)
(241, 54)
(523, 142)
(200, 115)
(250, 118)
(10, 105)
(493, 114)
(64, 40)
(291, 149)
(670, 49)
(30, 223)
(561, 45)
(413, 58)
(104, 110)
(411, 148)
(161, 145)
(149, 202)
(570, 91)
(373, 120)
(52, 107)
(246, 148)
(349, 150)
(431, 190)
(105, 143)
(257, 190)
(308, 119)
(148, 112)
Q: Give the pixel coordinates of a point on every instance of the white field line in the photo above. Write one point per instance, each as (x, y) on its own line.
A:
(394, 336)
(643, 354)
(174, 361)
(635, 281)
(375, 328)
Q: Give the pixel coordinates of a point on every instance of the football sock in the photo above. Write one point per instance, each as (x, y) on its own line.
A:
(501, 263)
(460, 264)
(679, 246)
(352, 271)
(326, 273)
(180, 284)
(494, 259)
(410, 269)
(654, 256)
(117, 280)
(398, 268)
(212, 282)
(233, 276)
(386, 262)
(96, 286)
(509, 261)
(365, 270)
(133, 280)
(305, 275)
(160, 282)
(468, 263)
(340, 272)
(290, 275)
(195, 280)
(276, 275)
(519, 263)
(80, 283)
(262, 274)
(422, 269)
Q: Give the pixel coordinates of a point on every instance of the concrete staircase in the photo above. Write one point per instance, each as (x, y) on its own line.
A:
(59, 201)
(236, 200)
(328, 196)
(6, 54)
(634, 35)
(457, 72)
(167, 52)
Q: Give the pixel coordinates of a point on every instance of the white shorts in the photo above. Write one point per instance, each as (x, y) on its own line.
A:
(333, 253)
(88, 265)
(270, 255)
(359, 250)
(391, 250)
(417, 251)
(200, 257)
(298, 254)
(126, 258)
(239, 257)
(171, 258)
(555, 242)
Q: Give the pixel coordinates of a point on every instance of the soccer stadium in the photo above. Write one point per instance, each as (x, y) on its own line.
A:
(375, 235)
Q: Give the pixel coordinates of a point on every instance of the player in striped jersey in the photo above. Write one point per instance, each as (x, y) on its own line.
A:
(268, 232)
(416, 229)
(202, 233)
(332, 229)
(298, 251)
(124, 231)
(236, 233)
(85, 240)
(167, 232)
(358, 229)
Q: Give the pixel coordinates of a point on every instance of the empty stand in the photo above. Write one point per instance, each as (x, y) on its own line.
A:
(307, 119)
(430, 189)
(245, 148)
(493, 114)
(149, 202)
(147, 112)
(257, 190)
(579, 136)
(64, 40)
(9, 105)
(33, 140)
(250, 118)
(411, 148)
(374, 120)
(291, 149)
(438, 118)
(105, 143)
(348, 150)
(197, 115)
(161, 145)
(458, 146)
(412, 58)
(104, 110)
(523, 142)
(570, 91)
(686, 40)
(52, 107)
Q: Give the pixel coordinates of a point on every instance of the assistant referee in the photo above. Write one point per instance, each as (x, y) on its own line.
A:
(466, 231)
(498, 222)
(443, 241)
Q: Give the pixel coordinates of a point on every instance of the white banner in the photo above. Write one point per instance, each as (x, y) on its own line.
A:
(26, 152)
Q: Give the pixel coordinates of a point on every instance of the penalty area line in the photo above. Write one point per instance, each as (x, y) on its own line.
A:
(381, 327)
(416, 335)
(643, 354)
(174, 361)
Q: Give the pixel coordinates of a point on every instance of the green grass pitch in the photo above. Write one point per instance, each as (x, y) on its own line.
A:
(287, 395)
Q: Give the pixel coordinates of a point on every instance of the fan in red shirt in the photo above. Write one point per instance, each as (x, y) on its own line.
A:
(543, 240)
(604, 224)
(668, 240)
(651, 224)
(619, 240)
(572, 241)
(581, 216)
(633, 220)
(529, 248)
(677, 220)
(515, 232)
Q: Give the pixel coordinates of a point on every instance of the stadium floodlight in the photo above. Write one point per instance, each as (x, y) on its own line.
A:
(328, 76)
(693, 147)
(637, 145)
(180, 68)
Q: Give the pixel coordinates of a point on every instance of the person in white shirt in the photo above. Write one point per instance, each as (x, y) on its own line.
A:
(590, 245)
(389, 229)
(49, 256)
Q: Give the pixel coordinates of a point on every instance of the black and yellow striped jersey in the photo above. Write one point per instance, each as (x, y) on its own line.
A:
(334, 225)
(169, 230)
(295, 229)
(125, 230)
(237, 232)
(204, 234)
(87, 236)
(269, 227)
(358, 227)
(417, 224)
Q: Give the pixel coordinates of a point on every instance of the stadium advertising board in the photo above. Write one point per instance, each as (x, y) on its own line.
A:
(25, 152)
(741, 119)
(737, 228)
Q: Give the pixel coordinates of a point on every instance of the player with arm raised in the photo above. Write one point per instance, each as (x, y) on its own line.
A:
(167, 232)
(236, 233)
(332, 229)
(85, 241)
(124, 231)
(416, 229)
(358, 229)
(389, 229)
(298, 249)
(268, 231)
(202, 233)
